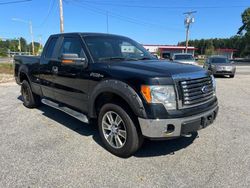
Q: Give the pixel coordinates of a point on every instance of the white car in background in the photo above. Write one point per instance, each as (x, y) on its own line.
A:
(185, 58)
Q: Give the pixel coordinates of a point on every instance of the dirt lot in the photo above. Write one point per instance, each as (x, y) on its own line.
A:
(6, 72)
(47, 148)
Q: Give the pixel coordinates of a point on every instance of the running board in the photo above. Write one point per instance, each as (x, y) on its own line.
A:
(67, 110)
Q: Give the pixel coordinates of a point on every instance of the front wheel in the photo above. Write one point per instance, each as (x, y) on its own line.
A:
(118, 130)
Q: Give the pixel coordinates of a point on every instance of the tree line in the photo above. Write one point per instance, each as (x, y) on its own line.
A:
(209, 46)
(12, 45)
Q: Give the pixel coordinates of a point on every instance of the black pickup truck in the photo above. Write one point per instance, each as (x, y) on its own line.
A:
(114, 80)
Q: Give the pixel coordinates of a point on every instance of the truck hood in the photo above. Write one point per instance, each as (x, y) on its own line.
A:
(154, 68)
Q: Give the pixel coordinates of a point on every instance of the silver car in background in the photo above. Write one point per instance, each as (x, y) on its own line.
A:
(220, 65)
(185, 58)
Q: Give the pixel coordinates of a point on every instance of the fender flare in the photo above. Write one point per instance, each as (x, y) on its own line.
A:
(23, 70)
(121, 89)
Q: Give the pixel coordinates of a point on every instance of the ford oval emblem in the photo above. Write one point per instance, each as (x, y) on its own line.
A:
(205, 89)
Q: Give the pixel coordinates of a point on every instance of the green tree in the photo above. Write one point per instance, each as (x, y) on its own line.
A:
(245, 16)
(245, 31)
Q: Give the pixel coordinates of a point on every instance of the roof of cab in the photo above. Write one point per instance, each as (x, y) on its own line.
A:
(84, 34)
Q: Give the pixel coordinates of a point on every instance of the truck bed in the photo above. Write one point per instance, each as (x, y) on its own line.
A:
(25, 61)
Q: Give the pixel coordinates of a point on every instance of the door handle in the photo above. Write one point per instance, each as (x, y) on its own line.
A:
(55, 69)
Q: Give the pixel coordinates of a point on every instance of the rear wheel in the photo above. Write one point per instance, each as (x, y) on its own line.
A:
(30, 99)
(118, 131)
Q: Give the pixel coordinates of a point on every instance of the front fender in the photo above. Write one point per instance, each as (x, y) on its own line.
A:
(121, 89)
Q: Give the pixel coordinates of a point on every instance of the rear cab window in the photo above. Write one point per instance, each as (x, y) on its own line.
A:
(51, 48)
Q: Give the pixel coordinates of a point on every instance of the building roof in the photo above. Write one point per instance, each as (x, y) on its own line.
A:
(172, 47)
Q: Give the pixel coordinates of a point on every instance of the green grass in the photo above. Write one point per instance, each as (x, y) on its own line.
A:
(6, 68)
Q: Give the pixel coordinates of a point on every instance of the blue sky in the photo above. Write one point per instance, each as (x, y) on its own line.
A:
(146, 21)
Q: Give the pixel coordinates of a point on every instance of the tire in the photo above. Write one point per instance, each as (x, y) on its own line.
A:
(232, 76)
(118, 130)
(30, 99)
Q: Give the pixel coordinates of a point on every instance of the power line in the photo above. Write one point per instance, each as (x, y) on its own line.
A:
(162, 7)
(51, 6)
(13, 2)
(121, 17)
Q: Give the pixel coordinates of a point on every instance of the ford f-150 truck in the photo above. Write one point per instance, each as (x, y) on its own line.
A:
(114, 80)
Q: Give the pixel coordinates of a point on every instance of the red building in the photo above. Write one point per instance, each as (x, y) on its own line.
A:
(166, 51)
(228, 52)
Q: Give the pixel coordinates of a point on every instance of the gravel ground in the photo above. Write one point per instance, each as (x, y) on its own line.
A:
(47, 148)
(6, 78)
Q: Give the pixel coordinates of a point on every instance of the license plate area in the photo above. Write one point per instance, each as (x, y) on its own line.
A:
(207, 120)
(200, 123)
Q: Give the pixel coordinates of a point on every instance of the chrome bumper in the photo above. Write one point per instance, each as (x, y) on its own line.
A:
(170, 128)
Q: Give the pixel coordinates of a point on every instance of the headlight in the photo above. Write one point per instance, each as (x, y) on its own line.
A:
(214, 84)
(160, 94)
(213, 66)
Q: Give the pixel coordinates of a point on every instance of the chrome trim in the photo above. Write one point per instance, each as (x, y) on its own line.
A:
(187, 78)
(67, 110)
(156, 128)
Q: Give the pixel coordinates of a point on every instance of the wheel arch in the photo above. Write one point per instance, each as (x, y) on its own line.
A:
(118, 91)
(23, 74)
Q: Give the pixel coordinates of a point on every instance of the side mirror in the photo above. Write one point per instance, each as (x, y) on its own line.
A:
(73, 59)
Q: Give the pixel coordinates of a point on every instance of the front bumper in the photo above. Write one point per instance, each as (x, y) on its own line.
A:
(171, 128)
(224, 73)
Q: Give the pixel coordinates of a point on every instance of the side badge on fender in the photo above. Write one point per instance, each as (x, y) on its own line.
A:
(96, 75)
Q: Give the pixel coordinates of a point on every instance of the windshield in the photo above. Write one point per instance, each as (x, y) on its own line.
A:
(218, 60)
(183, 57)
(115, 48)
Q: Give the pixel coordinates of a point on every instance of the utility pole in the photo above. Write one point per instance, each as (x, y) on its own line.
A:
(61, 16)
(31, 32)
(40, 41)
(19, 45)
(107, 21)
(32, 38)
(188, 20)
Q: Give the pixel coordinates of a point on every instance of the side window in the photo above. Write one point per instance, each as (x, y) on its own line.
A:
(51, 48)
(72, 46)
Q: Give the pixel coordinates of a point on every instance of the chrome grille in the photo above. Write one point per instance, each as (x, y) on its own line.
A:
(196, 91)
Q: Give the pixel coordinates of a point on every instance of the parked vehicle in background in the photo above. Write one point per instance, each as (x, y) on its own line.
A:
(116, 81)
(220, 65)
(185, 58)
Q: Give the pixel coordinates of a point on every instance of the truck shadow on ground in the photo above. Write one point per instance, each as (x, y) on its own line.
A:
(148, 149)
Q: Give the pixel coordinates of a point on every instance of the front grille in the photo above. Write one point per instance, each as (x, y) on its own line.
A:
(196, 91)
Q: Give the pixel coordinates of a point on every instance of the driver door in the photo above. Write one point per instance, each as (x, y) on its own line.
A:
(71, 83)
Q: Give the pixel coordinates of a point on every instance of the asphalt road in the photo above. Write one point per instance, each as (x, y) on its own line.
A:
(47, 148)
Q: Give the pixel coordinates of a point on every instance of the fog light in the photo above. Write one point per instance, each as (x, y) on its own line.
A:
(170, 128)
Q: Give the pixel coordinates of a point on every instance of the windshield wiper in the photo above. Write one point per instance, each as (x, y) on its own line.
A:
(144, 58)
(112, 58)
(123, 59)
